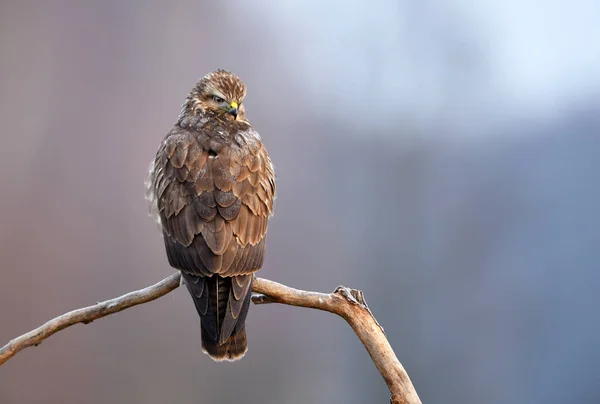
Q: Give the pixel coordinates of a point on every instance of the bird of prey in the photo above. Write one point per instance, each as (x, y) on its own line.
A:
(211, 189)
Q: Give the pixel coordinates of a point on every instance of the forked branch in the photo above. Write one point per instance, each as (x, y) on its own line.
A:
(347, 303)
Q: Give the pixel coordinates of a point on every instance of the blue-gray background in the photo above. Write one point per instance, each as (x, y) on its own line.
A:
(443, 156)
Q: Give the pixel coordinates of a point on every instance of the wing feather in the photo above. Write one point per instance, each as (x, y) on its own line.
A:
(214, 200)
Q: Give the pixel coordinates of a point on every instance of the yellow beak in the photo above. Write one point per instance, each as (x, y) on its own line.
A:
(233, 110)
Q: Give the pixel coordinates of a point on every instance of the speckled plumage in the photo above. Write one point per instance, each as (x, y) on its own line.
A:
(211, 188)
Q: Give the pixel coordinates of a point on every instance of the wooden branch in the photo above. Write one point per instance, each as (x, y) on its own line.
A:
(350, 304)
(88, 314)
(347, 303)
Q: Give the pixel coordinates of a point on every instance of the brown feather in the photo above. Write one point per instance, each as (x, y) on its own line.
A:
(205, 211)
(194, 151)
(229, 213)
(224, 199)
(179, 155)
(217, 234)
(223, 178)
(240, 225)
(229, 257)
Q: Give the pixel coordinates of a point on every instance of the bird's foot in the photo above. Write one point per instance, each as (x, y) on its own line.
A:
(356, 297)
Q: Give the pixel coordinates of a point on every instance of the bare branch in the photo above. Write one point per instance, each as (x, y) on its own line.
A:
(347, 303)
(88, 314)
(351, 305)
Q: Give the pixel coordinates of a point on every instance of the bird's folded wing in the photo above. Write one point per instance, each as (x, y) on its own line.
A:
(214, 201)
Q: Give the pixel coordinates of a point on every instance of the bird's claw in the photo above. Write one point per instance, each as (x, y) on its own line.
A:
(356, 297)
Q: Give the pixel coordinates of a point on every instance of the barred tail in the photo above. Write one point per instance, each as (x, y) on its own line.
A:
(222, 303)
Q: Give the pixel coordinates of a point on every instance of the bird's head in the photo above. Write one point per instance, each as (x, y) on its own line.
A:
(219, 92)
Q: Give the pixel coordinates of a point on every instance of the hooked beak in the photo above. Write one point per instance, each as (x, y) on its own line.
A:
(233, 110)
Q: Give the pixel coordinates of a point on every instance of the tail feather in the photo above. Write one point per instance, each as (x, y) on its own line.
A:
(232, 349)
(222, 303)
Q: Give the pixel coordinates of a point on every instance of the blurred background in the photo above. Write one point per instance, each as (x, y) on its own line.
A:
(442, 156)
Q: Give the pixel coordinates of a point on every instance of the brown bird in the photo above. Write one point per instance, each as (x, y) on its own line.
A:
(211, 188)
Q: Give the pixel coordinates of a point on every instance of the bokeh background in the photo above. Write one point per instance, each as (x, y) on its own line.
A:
(443, 156)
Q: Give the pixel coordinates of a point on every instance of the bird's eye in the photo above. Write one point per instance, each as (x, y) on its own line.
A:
(218, 99)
